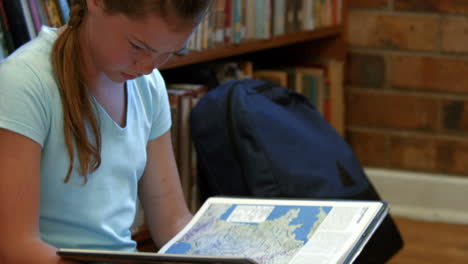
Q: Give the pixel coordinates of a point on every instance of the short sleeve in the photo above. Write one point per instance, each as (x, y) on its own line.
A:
(161, 122)
(23, 104)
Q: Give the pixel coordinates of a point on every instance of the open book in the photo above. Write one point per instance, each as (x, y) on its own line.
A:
(266, 231)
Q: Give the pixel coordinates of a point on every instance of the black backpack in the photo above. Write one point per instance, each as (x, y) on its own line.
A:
(255, 138)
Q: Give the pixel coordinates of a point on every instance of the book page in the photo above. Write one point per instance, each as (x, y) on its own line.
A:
(275, 231)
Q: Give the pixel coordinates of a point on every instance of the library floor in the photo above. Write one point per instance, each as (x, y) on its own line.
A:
(431, 243)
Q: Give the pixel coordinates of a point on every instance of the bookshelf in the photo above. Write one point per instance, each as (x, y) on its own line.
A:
(251, 46)
(289, 49)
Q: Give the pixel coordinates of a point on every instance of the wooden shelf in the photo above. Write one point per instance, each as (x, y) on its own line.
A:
(194, 57)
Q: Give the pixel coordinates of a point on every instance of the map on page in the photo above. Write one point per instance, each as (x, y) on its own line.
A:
(265, 233)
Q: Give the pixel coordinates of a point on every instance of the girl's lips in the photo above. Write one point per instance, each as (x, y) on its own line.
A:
(128, 76)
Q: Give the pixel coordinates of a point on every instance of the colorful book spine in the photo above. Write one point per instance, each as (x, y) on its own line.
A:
(53, 13)
(35, 15)
(41, 12)
(64, 9)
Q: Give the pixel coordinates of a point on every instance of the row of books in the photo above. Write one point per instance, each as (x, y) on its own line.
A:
(182, 98)
(21, 20)
(229, 22)
(237, 21)
(321, 82)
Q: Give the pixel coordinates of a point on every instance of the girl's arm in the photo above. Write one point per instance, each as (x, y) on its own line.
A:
(160, 192)
(19, 209)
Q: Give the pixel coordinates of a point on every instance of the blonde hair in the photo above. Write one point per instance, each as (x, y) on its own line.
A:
(79, 112)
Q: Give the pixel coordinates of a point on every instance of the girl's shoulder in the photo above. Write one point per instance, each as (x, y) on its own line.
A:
(29, 66)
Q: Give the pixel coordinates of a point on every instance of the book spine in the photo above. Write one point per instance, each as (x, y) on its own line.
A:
(64, 10)
(259, 19)
(227, 22)
(289, 17)
(41, 12)
(243, 15)
(298, 16)
(35, 15)
(279, 11)
(16, 22)
(267, 20)
(218, 38)
(205, 32)
(237, 20)
(28, 18)
(8, 38)
(3, 48)
(53, 13)
(250, 20)
(308, 11)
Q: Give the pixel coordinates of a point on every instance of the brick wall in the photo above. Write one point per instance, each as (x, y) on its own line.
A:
(407, 84)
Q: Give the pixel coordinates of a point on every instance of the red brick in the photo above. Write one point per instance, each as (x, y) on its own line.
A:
(442, 6)
(370, 148)
(455, 34)
(455, 115)
(452, 156)
(366, 70)
(368, 3)
(429, 73)
(429, 153)
(413, 153)
(382, 110)
(368, 29)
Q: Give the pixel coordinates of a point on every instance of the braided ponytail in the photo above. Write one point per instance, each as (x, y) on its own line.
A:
(78, 108)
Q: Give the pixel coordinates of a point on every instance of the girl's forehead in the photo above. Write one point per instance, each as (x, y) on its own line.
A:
(158, 32)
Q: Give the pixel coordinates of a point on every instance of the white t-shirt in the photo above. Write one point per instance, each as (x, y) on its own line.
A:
(97, 215)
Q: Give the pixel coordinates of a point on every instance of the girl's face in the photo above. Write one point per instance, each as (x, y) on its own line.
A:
(124, 49)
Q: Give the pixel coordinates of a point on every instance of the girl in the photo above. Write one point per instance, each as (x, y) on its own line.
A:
(84, 130)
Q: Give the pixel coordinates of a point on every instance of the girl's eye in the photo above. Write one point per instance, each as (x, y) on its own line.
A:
(135, 46)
